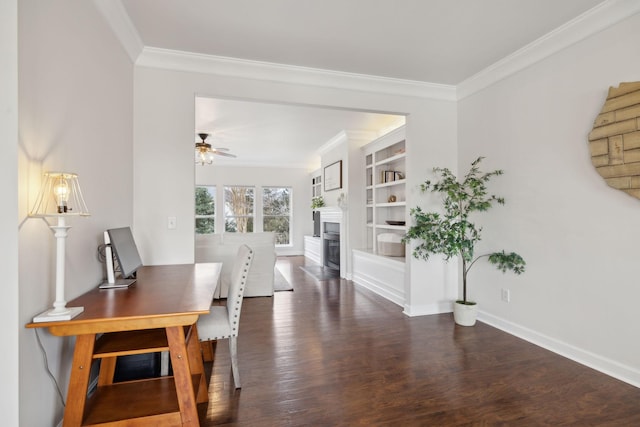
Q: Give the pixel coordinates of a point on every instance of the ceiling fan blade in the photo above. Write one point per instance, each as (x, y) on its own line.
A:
(220, 149)
(220, 153)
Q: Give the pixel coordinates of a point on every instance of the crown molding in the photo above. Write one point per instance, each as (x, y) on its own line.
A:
(590, 22)
(116, 16)
(224, 66)
(238, 163)
(344, 136)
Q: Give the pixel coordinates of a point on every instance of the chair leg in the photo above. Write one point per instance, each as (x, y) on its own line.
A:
(207, 348)
(233, 350)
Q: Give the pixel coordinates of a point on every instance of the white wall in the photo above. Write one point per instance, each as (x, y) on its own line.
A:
(164, 167)
(9, 217)
(430, 286)
(75, 114)
(296, 178)
(578, 236)
(338, 152)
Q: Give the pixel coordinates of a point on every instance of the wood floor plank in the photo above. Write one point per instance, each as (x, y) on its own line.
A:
(333, 354)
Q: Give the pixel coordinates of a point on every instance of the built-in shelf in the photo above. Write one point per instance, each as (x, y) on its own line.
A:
(391, 184)
(316, 184)
(391, 227)
(391, 204)
(385, 191)
(391, 159)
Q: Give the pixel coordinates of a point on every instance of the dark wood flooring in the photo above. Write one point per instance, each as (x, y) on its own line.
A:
(332, 354)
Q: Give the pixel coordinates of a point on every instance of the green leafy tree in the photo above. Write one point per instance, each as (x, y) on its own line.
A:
(205, 205)
(452, 233)
(276, 202)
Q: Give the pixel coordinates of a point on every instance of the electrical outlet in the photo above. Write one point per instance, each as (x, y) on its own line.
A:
(171, 223)
(506, 295)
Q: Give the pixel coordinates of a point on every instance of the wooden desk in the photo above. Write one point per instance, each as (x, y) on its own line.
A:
(166, 299)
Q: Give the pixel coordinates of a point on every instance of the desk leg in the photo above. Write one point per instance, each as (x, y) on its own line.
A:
(196, 363)
(79, 380)
(107, 371)
(182, 376)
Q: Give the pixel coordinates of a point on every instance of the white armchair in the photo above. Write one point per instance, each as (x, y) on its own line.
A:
(224, 248)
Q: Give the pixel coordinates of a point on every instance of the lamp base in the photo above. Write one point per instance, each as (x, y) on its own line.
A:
(51, 316)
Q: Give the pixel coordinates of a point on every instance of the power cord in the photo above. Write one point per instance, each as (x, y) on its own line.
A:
(102, 257)
(46, 367)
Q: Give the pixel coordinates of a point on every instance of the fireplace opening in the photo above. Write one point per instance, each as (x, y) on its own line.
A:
(331, 239)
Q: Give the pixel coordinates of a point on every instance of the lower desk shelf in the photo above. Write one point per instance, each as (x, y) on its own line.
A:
(136, 403)
(115, 344)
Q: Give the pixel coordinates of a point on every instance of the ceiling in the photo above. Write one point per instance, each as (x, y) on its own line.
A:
(279, 135)
(435, 41)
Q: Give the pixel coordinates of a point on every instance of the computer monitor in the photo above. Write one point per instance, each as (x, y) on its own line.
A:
(119, 241)
(125, 250)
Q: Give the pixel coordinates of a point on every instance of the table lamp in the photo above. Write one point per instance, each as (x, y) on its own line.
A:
(60, 197)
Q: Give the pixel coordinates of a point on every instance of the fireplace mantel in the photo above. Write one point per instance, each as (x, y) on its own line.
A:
(331, 214)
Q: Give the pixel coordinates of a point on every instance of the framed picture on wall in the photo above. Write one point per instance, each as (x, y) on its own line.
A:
(333, 176)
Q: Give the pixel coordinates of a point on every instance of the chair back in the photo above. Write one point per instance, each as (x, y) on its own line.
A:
(239, 275)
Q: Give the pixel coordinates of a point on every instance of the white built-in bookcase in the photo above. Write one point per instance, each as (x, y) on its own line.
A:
(385, 178)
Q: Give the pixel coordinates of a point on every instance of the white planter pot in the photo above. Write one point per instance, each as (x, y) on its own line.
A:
(464, 314)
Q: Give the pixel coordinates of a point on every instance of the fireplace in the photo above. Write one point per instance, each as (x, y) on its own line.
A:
(331, 242)
(334, 232)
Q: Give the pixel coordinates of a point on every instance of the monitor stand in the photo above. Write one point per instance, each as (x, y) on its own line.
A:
(111, 282)
(120, 283)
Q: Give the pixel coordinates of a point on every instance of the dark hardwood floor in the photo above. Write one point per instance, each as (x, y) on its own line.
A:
(333, 354)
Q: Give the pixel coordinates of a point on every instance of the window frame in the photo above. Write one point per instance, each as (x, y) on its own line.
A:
(289, 215)
(226, 216)
(212, 190)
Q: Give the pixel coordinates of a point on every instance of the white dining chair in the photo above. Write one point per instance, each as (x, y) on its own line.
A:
(223, 321)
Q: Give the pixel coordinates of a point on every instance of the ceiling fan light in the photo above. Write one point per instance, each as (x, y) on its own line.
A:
(204, 153)
(203, 156)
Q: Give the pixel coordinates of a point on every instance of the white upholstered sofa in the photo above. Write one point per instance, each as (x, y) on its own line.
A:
(223, 248)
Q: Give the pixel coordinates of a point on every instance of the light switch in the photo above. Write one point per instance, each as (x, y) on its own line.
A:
(172, 223)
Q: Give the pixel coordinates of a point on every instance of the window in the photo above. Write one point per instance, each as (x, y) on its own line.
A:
(205, 210)
(276, 212)
(238, 209)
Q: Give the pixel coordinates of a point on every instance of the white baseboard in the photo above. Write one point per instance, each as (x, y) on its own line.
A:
(383, 291)
(425, 310)
(609, 367)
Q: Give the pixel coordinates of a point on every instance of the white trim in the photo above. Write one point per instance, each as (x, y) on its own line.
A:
(370, 283)
(332, 143)
(591, 22)
(218, 65)
(118, 19)
(334, 214)
(609, 367)
(219, 161)
(373, 272)
(343, 136)
(424, 310)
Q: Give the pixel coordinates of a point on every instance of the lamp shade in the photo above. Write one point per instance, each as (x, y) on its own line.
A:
(60, 195)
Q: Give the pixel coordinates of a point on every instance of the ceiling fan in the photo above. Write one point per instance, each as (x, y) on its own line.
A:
(205, 153)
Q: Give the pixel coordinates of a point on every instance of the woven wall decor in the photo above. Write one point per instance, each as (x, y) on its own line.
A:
(614, 141)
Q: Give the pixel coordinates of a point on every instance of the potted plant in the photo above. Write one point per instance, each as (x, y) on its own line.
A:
(317, 202)
(453, 234)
